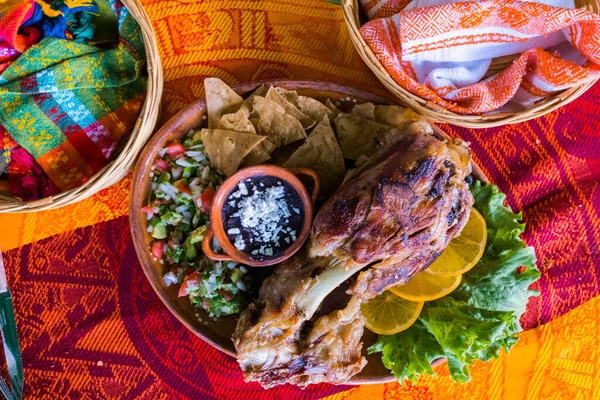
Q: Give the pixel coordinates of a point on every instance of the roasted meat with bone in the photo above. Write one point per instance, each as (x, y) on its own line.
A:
(391, 219)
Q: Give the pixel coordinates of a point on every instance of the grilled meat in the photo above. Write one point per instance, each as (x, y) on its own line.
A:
(395, 214)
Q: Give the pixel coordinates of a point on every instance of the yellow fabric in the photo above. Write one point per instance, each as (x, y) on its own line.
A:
(241, 41)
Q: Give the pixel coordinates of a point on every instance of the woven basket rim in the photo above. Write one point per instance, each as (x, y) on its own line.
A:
(118, 167)
(436, 113)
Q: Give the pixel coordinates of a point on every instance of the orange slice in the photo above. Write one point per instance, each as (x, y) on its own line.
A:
(387, 313)
(464, 251)
(426, 287)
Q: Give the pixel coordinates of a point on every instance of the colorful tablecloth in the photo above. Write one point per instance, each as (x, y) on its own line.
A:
(91, 326)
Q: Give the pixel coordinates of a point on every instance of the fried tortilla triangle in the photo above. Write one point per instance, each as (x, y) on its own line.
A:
(358, 135)
(220, 100)
(238, 122)
(289, 108)
(312, 108)
(227, 149)
(322, 153)
(258, 155)
(271, 120)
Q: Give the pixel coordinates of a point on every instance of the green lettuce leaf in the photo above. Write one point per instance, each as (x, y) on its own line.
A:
(481, 317)
(409, 355)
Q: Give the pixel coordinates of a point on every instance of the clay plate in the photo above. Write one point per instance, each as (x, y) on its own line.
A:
(218, 334)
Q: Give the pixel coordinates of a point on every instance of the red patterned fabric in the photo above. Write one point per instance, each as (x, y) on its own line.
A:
(91, 326)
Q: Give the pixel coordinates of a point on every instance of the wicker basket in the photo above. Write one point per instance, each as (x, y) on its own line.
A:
(129, 148)
(434, 112)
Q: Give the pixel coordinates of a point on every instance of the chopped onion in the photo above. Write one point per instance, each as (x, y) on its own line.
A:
(169, 189)
(199, 158)
(182, 209)
(183, 162)
(241, 286)
(232, 264)
(197, 146)
(149, 229)
(194, 153)
(169, 278)
(162, 152)
(243, 269)
(149, 216)
(212, 279)
(176, 172)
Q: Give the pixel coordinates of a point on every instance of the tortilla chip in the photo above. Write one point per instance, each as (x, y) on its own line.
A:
(272, 121)
(322, 153)
(226, 149)
(220, 100)
(267, 146)
(237, 121)
(289, 108)
(333, 108)
(314, 109)
(365, 110)
(247, 106)
(396, 116)
(358, 135)
(256, 156)
(289, 95)
(260, 154)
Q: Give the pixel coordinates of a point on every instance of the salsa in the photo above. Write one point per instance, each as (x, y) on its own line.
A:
(263, 216)
(183, 185)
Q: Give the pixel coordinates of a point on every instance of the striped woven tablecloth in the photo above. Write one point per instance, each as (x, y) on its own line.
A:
(91, 326)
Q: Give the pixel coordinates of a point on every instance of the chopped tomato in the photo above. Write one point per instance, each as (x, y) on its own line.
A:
(161, 165)
(227, 295)
(182, 187)
(207, 199)
(193, 277)
(147, 209)
(175, 149)
(158, 248)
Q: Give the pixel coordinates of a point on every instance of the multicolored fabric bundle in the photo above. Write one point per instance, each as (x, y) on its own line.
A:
(72, 83)
(441, 50)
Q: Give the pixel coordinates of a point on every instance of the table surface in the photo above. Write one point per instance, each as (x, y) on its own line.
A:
(243, 41)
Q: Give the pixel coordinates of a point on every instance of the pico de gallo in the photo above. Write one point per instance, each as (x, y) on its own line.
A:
(183, 185)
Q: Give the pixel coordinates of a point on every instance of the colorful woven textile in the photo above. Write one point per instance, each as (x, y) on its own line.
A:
(91, 326)
(69, 104)
(442, 53)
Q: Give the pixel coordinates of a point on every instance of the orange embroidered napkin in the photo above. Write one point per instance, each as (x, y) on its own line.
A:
(441, 53)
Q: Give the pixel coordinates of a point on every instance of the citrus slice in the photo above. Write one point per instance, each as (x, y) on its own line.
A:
(426, 287)
(464, 251)
(387, 313)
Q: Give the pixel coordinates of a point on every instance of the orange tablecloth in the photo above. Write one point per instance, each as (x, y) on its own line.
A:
(242, 41)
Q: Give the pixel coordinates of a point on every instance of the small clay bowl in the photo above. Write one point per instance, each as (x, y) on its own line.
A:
(217, 229)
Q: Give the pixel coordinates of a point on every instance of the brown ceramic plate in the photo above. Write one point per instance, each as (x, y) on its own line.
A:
(218, 334)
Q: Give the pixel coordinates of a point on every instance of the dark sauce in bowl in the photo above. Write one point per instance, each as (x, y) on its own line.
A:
(263, 216)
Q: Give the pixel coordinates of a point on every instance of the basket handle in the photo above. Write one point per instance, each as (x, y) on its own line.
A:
(208, 251)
